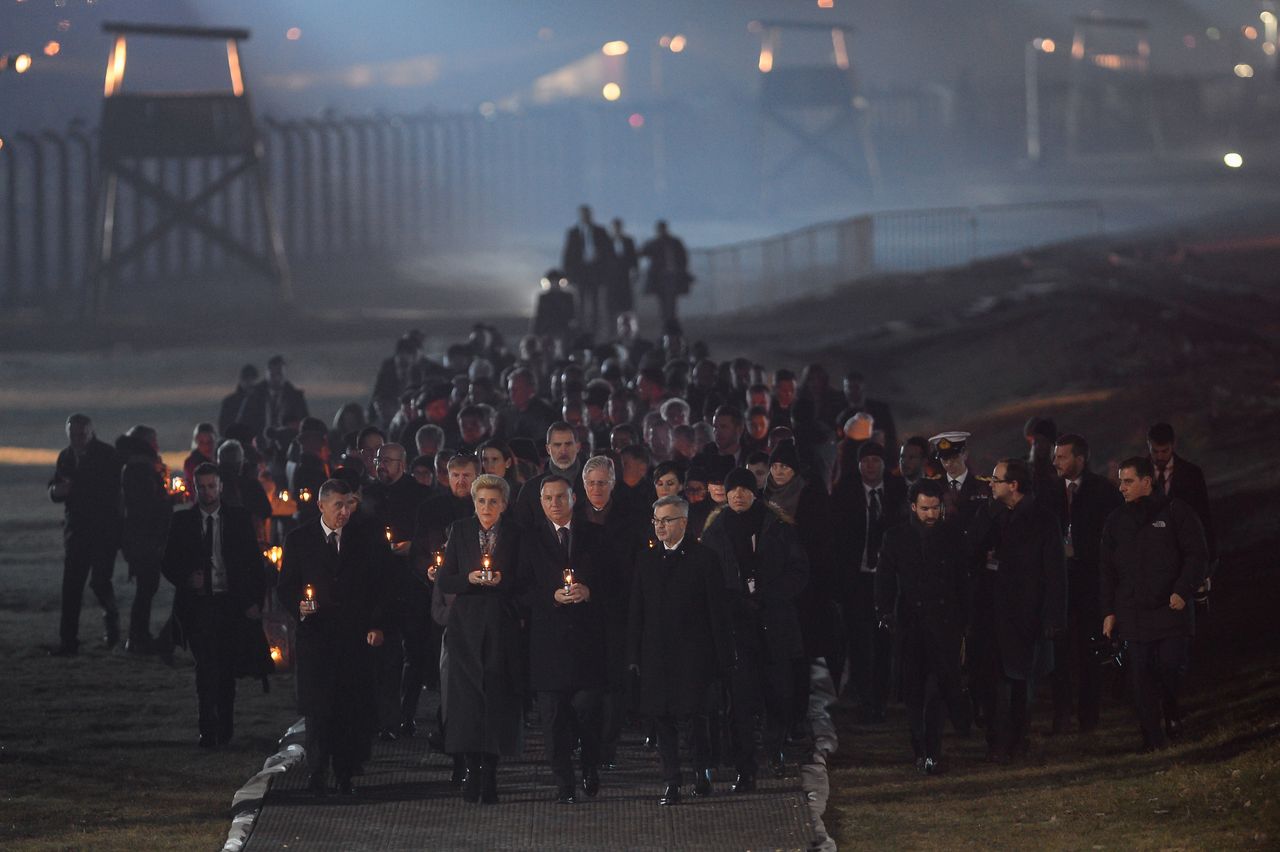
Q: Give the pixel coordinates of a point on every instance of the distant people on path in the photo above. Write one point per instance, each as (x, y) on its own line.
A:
(667, 273)
(588, 261)
(626, 266)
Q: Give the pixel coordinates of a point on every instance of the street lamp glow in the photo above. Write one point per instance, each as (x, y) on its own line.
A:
(678, 43)
(293, 33)
(22, 63)
(1244, 71)
(615, 48)
(611, 91)
(1233, 160)
(52, 48)
(1045, 45)
(1267, 17)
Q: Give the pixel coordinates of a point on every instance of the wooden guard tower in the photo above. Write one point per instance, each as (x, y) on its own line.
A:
(817, 106)
(142, 126)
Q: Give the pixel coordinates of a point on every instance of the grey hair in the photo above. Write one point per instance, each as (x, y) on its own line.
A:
(231, 451)
(492, 483)
(674, 402)
(681, 504)
(598, 463)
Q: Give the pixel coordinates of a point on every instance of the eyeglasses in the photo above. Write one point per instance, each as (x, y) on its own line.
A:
(662, 522)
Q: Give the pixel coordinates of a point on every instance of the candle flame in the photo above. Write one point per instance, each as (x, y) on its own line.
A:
(284, 496)
(309, 592)
(388, 533)
(277, 654)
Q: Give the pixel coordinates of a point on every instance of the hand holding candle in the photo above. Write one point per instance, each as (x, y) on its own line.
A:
(434, 568)
(307, 605)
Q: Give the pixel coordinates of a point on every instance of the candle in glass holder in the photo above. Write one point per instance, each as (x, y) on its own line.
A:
(177, 485)
(309, 595)
(388, 534)
(275, 554)
(304, 495)
(284, 496)
(568, 578)
(436, 565)
(486, 572)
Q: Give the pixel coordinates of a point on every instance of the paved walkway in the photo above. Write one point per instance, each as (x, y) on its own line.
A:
(405, 801)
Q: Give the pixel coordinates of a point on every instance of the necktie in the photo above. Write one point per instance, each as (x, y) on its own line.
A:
(1160, 486)
(955, 485)
(1071, 496)
(208, 539)
(333, 542)
(563, 534)
(874, 508)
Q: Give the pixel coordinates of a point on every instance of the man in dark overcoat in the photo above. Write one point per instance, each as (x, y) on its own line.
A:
(922, 593)
(212, 558)
(566, 596)
(344, 564)
(764, 570)
(680, 640)
(1084, 500)
(1019, 543)
(1153, 557)
(587, 259)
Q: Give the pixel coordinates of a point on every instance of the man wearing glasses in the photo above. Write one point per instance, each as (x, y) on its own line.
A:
(679, 642)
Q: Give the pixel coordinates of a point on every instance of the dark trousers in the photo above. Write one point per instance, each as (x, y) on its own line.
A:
(668, 730)
(337, 735)
(146, 581)
(1157, 668)
(93, 559)
(1073, 657)
(1009, 717)
(613, 712)
(388, 664)
(870, 649)
(421, 663)
(211, 626)
(569, 717)
(589, 284)
(667, 297)
(930, 685)
(757, 684)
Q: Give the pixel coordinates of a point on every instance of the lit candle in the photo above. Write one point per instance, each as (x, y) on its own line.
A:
(275, 554)
(568, 578)
(284, 496)
(304, 494)
(177, 486)
(486, 573)
(277, 654)
(388, 534)
(310, 594)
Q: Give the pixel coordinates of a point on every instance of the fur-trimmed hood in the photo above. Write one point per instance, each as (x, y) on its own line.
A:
(773, 507)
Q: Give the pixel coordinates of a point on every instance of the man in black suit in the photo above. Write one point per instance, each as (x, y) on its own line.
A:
(555, 316)
(230, 409)
(667, 276)
(212, 558)
(922, 593)
(587, 259)
(1177, 477)
(273, 403)
(565, 595)
(1020, 543)
(334, 575)
(1084, 501)
(680, 641)
(621, 295)
(562, 461)
(86, 480)
(863, 508)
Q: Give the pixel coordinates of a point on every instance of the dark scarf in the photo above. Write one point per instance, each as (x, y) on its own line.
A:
(740, 527)
(787, 497)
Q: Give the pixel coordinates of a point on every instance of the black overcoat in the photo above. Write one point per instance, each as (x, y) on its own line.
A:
(352, 598)
(1027, 588)
(679, 631)
(615, 545)
(922, 581)
(486, 661)
(567, 649)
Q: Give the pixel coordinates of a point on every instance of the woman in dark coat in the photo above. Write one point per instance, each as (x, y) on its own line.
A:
(484, 711)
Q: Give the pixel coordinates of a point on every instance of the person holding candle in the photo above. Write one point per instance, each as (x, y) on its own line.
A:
(482, 639)
(567, 638)
(680, 641)
(211, 556)
(346, 562)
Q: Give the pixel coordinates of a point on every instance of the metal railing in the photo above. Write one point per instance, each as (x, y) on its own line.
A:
(816, 260)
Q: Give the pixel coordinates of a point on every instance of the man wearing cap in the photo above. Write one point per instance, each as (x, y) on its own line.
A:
(862, 508)
(765, 570)
(273, 402)
(965, 492)
(1020, 543)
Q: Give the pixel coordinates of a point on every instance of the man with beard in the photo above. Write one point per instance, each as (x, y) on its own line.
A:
(922, 592)
(615, 532)
(334, 576)
(1085, 501)
(1153, 557)
(1020, 543)
(680, 641)
(765, 570)
(562, 461)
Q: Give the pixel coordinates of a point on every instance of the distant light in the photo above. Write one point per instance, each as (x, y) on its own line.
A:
(678, 43)
(1267, 17)
(766, 60)
(22, 63)
(487, 109)
(665, 41)
(293, 33)
(826, 4)
(546, 34)
(1, 143)
(615, 48)
(1233, 160)
(52, 48)
(636, 120)
(1047, 45)
(1213, 33)
(1269, 48)
(1189, 41)
(1244, 71)
(1249, 31)
(611, 91)
(64, 25)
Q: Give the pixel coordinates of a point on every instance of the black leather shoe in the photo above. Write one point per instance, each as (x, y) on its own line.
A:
(408, 729)
(590, 782)
(671, 795)
(387, 735)
(208, 741)
(777, 765)
(702, 784)
(345, 787)
(566, 796)
(317, 784)
(65, 651)
(459, 774)
(435, 741)
(471, 785)
(920, 765)
(489, 784)
(932, 766)
(745, 783)
(651, 742)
